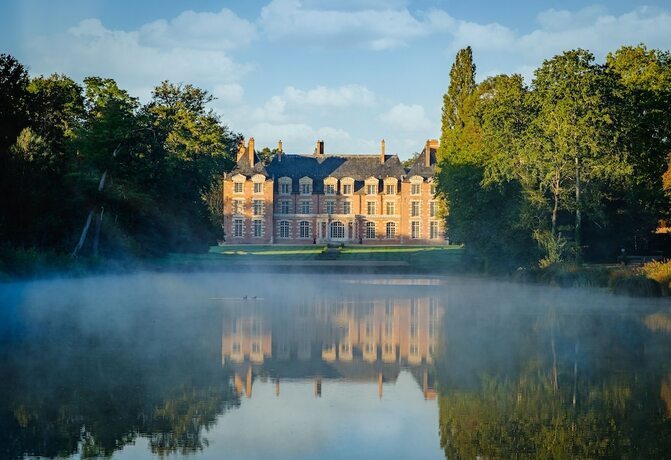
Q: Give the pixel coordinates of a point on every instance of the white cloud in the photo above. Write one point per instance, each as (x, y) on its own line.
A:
(230, 93)
(300, 137)
(141, 59)
(375, 29)
(408, 118)
(322, 96)
(222, 30)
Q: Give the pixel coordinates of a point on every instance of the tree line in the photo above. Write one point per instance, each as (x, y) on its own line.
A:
(87, 170)
(566, 168)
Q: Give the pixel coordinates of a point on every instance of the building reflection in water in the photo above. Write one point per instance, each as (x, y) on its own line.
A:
(351, 339)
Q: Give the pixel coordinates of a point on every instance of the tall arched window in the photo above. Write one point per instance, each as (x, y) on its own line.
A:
(284, 229)
(370, 230)
(337, 230)
(391, 230)
(304, 227)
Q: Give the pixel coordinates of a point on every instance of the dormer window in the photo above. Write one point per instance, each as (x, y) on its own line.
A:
(237, 187)
(305, 186)
(258, 187)
(416, 189)
(390, 189)
(347, 189)
(371, 189)
(284, 186)
(330, 186)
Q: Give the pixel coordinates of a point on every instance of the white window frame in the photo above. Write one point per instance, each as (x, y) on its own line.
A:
(238, 228)
(415, 230)
(284, 229)
(257, 224)
(371, 205)
(370, 235)
(390, 235)
(304, 229)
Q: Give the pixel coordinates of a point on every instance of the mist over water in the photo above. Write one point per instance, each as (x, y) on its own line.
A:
(330, 366)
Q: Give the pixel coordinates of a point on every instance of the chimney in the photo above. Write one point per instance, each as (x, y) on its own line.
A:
(382, 152)
(241, 150)
(279, 150)
(250, 151)
(319, 151)
(427, 154)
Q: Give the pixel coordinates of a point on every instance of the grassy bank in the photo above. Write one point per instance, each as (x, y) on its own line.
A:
(423, 259)
(652, 279)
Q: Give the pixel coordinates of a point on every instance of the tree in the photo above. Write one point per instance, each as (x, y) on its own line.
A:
(573, 134)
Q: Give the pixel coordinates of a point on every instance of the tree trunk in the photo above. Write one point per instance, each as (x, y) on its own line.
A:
(96, 240)
(85, 230)
(555, 210)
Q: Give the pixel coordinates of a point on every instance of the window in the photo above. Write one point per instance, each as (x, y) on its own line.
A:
(237, 228)
(237, 187)
(371, 189)
(257, 207)
(238, 206)
(413, 329)
(330, 207)
(432, 209)
(304, 227)
(371, 207)
(257, 228)
(285, 189)
(370, 230)
(337, 230)
(414, 209)
(258, 187)
(347, 207)
(236, 347)
(388, 348)
(284, 229)
(416, 189)
(369, 348)
(391, 230)
(433, 230)
(433, 189)
(391, 208)
(347, 189)
(414, 350)
(305, 207)
(329, 189)
(391, 189)
(414, 229)
(256, 347)
(284, 207)
(369, 328)
(306, 189)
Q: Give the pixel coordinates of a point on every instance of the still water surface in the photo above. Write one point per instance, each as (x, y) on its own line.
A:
(337, 366)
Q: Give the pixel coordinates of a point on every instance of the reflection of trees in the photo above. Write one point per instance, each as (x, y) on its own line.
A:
(92, 392)
(554, 386)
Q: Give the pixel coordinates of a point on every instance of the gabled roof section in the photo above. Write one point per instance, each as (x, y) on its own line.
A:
(243, 167)
(419, 167)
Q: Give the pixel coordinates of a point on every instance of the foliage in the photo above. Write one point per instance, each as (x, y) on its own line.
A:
(659, 272)
(90, 163)
(579, 171)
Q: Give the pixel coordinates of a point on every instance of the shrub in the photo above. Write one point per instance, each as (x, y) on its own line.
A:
(659, 272)
(633, 283)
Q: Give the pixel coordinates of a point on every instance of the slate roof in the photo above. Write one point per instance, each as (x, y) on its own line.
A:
(419, 169)
(358, 167)
(242, 167)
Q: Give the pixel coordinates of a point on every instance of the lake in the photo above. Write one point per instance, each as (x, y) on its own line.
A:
(328, 366)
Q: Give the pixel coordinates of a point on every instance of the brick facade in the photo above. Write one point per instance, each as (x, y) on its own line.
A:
(319, 198)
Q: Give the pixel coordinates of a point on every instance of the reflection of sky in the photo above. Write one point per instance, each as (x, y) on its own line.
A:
(349, 421)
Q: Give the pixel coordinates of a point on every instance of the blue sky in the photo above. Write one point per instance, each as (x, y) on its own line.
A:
(350, 72)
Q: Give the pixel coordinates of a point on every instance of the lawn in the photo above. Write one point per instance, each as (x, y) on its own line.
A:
(419, 258)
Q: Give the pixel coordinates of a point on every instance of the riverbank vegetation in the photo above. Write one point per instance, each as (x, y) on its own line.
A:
(566, 169)
(87, 171)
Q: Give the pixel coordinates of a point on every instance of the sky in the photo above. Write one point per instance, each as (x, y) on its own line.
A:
(349, 72)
